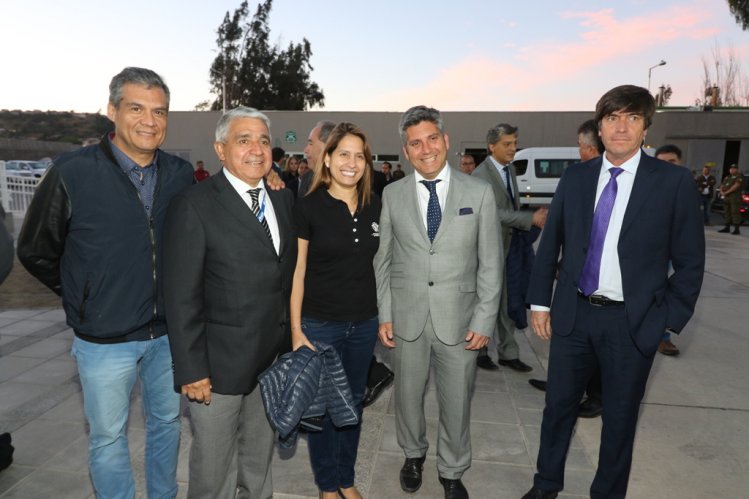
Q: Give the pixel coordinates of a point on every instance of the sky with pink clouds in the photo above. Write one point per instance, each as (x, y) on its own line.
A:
(382, 55)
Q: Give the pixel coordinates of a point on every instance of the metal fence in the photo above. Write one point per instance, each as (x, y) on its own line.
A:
(16, 191)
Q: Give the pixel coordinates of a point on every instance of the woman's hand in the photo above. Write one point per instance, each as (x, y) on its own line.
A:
(299, 339)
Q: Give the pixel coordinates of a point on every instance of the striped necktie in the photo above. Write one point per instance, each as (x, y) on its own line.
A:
(255, 194)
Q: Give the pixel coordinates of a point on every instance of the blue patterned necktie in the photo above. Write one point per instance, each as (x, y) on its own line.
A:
(254, 195)
(434, 213)
(592, 266)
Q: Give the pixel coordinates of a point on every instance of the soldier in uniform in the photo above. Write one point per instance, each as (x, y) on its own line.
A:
(706, 188)
(730, 190)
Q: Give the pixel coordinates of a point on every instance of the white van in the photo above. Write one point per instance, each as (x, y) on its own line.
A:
(539, 170)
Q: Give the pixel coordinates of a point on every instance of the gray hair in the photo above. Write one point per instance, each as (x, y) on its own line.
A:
(222, 128)
(137, 76)
(325, 128)
(416, 115)
(492, 136)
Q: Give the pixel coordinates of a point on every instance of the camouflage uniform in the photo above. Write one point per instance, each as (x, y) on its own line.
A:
(732, 201)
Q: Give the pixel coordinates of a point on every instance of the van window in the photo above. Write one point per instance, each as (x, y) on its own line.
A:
(521, 165)
(552, 168)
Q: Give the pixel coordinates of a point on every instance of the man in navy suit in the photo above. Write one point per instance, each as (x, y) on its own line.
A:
(617, 221)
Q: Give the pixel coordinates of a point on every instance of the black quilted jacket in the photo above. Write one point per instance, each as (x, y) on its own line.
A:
(305, 385)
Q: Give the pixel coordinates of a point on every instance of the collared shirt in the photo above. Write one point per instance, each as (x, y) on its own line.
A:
(500, 169)
(339, 283)
(143, 177)
(610, 276)
(422, 192)
(263, 199)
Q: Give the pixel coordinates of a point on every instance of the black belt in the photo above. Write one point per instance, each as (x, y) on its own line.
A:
(599, 300)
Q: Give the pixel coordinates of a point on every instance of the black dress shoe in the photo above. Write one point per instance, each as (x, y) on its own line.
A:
(535, 493)
(454, 489)
(590, 408)
(485, 362)
(538, 384)
(372, 393)
(411, 473)
(516, 365)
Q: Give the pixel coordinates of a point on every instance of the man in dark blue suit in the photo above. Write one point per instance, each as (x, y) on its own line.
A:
(617, 221)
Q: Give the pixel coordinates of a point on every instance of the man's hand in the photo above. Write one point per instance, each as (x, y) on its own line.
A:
(541, 323)
(476, 341)
(539, 217)
(273, 181)
(386, 334)
(198, 391)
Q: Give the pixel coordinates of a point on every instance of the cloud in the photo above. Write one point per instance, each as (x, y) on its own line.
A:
(602, 43)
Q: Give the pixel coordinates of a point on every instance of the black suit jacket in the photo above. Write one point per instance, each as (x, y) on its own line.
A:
(227, 291)
(661, 225)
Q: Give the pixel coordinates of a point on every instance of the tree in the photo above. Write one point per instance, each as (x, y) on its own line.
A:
(740, 10)
(249, 71)
(726, 85)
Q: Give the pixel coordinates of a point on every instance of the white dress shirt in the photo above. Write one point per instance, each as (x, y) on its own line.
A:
(270, 216)
(422, 192)
(610, 276)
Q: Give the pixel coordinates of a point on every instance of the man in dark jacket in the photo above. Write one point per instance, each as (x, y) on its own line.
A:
(92, 234)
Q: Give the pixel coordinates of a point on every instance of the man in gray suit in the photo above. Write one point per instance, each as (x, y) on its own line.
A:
(498, 170)
(229, 255)
(438, 280)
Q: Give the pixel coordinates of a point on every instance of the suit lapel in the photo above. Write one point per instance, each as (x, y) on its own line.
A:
(500, 189)
(282, 218)
(642, 190)
(232, 202)
(588, 190)
(412, 201)
(451, 205)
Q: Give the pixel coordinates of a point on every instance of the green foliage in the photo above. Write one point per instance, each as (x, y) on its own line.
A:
(53, 126)
(256, 74)
(740, 10)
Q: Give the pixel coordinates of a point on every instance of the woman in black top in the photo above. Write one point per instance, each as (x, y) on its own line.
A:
(334, 296)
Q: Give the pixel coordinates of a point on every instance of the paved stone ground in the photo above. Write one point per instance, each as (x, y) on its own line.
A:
(692, 439)
(21, 290)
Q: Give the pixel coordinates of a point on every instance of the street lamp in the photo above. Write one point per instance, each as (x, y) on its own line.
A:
(662, 63)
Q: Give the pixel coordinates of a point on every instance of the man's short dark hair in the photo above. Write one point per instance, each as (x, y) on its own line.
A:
(137, 76)
(589, 130)
(277, 154)
(628, 99)
(668, 148)
(416, 115)
(495, 132)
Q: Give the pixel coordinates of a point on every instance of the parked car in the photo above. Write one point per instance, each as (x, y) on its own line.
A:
(24, 168)
(539, 169)
(718, 205)
(538, 172)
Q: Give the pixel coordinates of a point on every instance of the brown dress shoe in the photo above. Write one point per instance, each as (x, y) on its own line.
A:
(668, 348)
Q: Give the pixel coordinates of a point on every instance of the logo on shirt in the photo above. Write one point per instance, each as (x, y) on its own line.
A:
(375, 229)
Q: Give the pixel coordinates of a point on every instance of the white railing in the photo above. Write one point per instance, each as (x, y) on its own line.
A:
(16, 191)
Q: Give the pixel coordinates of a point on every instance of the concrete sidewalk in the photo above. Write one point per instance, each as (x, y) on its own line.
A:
(692, 442)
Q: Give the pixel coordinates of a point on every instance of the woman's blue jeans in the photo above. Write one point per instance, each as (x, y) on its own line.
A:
(333, 450)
